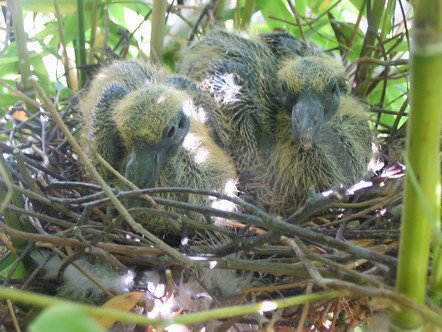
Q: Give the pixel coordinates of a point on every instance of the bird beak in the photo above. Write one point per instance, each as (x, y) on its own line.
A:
(307, 119)
(144, 164)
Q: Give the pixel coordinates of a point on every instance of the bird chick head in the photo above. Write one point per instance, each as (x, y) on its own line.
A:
(312, 86)
(152, 124)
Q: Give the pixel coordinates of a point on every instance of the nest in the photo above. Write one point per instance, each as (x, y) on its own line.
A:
(344, 240)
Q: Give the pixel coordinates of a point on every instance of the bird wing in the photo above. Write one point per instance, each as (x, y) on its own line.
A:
(240, 73)
(284, 45)
(235, 87)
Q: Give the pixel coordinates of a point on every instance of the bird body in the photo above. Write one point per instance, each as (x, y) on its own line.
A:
(151, 132)
(284, 115)
(282, 174)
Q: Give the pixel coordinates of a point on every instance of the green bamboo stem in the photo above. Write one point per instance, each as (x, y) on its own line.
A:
(81, 42)
(202, 316)
(71, 78)
(237, 15)
(435, 278)
(49, 301)
(66, 6)
(422, 199)
(436, 275)
(245, 309)
(158, 30)
(220, 10)
(94, 25)
(248, 11)
(364, 69)
(23, 54)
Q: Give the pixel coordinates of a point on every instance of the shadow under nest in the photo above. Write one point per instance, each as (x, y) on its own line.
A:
(349, 235)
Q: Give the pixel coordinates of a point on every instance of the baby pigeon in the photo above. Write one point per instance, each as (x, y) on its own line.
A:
(155, 135)
(283, 114)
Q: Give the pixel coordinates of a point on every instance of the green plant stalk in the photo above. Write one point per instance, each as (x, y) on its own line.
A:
(249, 8)
(66, 6)
(71, 78)
(244, 309)
(158, 30)
(81, 42)
(390, 7)
(237, 15)
(435, 280)
(12, 219)
(436, 275)
(429, 13)
(48, 301)
(13, 316)
(220, 10)
(94, 25)
(423, 140)
(239, 310)
(363, 70)
(23, 55)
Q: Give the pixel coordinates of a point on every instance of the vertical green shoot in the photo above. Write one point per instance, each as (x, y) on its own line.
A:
(237, 15)
(81, 44)
(249, 8)
(23, 54)
(363, 69)
(421, 211)
(70, 74)
(94, 25)
(220, 10)
(158, 30)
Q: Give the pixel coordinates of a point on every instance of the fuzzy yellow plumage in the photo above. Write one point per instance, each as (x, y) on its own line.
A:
(149, 126)
(283, 114)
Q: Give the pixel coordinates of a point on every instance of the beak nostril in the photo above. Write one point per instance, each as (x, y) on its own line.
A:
(171, 132)
(182, 123)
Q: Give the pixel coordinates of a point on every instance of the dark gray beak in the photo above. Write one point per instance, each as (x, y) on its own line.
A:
(144, 165)
(307, 119)
(146, 160)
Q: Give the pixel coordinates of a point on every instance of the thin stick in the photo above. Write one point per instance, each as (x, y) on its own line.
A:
(13, 317)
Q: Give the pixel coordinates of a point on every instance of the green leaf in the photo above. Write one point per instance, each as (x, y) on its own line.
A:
(395, 46)
(51, 29)
(358, 4)
(116, 14)
(47, 6)
(277, 9)
(301, 6)
(64, 318)
(139, 7)
(7, 100)
(386, 25)
(8, 263)
(70, 27)
(63, 92)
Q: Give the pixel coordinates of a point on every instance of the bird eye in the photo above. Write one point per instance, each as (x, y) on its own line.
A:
(171, 132)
